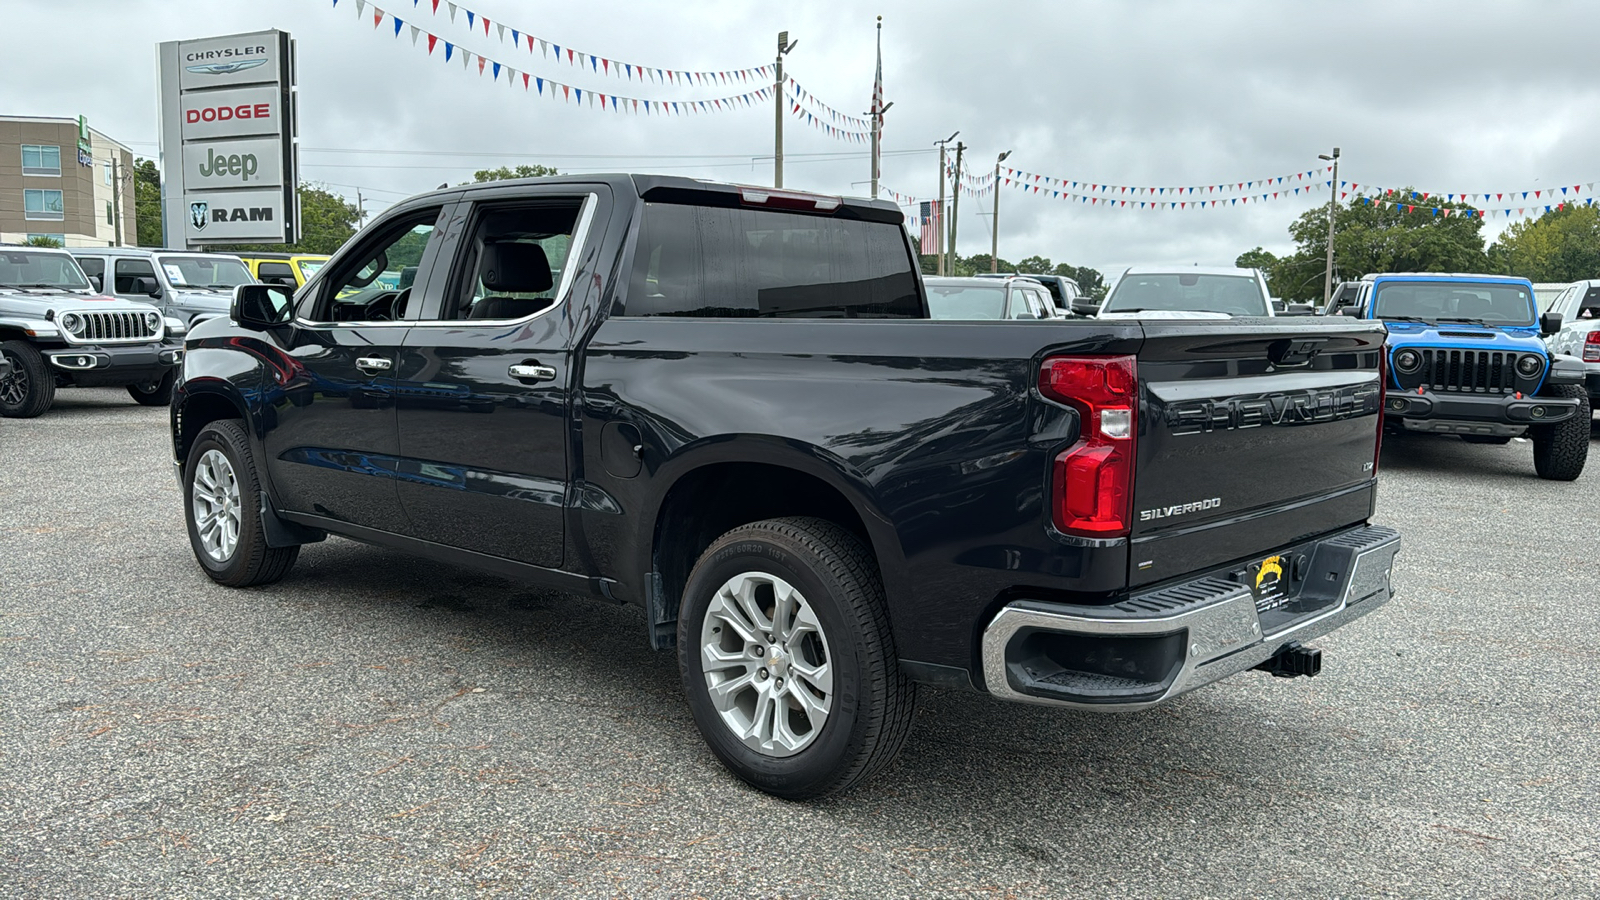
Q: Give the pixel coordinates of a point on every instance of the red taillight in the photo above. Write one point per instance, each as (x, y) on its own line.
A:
(1591, 347)
(1091, 483)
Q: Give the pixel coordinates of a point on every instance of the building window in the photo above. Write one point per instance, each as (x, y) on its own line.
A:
(38, 159)
(40, 204)
(60, 239)
(110, 219)
(108, 174)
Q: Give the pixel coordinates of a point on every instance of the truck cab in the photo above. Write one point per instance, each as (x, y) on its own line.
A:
(1578, 305)
(1466, 357)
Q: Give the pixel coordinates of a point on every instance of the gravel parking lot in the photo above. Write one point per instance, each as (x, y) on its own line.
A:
(381, 725)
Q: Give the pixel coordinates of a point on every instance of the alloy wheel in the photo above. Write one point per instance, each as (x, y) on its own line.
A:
(216, 505)
(766, 662)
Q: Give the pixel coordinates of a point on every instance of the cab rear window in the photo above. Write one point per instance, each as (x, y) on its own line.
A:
(714, 262)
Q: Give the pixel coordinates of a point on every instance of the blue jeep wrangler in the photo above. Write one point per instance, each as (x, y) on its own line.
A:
(1465, 358)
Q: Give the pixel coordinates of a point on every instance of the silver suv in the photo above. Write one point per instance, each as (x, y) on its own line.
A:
(57, 330)
(190, 286)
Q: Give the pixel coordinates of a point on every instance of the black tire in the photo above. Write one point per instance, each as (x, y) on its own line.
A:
(157, 394)
(1559, 450)
(252, 562)
(31, 388)
(1485, 439)
(872, 702)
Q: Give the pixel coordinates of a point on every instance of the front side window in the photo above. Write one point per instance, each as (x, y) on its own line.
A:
(276, 273)
(215, 272)
(128, 271)
(374, 284)
(92, 266)
(43, 204)
(40, 159)
(33, 269)
(751, 263)
(1236, 295)
(1454, 301)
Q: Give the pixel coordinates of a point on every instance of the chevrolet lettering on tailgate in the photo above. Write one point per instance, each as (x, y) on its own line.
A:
(1292, 408)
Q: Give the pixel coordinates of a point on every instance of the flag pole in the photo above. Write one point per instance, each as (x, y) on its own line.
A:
(877, 111)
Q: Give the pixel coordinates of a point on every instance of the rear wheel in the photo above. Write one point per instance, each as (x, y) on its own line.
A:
(787, 658)
(222, 503)
(1560, 450)
(30, 388)
(156, 393)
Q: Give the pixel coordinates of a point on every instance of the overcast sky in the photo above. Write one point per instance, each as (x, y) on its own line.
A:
(1448, 96)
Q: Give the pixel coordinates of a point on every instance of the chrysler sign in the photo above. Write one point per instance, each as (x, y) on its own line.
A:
(228, 154)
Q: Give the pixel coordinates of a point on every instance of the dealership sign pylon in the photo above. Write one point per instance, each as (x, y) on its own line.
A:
(229, 158)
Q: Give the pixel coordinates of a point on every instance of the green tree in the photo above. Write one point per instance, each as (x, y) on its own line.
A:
(505, 174)
(1561, 245)
(40, 240)
(1371, 237)
(1087, 277)
(1034, 265)
(146, 203)
(980, 264)
(1256, 259)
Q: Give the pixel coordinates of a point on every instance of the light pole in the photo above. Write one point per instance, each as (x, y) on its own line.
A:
(955, 205)
(994, 246)
(938, 233)
(1333, 204)
(784, 46)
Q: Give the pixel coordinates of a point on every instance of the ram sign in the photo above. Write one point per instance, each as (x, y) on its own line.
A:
(228, 153)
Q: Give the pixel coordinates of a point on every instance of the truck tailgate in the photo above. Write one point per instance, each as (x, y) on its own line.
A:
(1253, 434)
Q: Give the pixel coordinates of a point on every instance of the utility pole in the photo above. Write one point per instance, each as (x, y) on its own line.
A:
(779, 99)
(1333, 205)
(955, 204)
(938, 233)
(361, 209)
(116, 197)
(994, 247)
(877, 111)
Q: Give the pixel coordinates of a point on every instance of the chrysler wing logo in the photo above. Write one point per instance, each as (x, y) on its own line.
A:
(226, 68)
(198, 215)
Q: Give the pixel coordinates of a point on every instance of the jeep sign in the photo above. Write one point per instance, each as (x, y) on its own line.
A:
(247, 163)
(228, 155)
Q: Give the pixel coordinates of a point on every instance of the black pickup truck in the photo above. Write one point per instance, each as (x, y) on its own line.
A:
(727, 405)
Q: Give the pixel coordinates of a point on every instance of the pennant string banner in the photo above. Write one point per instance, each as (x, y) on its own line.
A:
(1486, 198)
(496, 71)
(833, 131)
(526, 42)
(806, 98)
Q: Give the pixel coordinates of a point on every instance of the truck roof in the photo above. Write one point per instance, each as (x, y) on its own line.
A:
(1444, 276)
(678, 188)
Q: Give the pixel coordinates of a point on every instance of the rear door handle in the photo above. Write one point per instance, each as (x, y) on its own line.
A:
(532, 372)
(372, 365)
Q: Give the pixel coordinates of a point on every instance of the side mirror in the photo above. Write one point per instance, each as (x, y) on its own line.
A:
(98, 282)
(262, 306)
(1550, 323)
(146, 285)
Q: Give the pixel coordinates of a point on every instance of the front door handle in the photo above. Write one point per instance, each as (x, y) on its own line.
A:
(532, 372)
(372, 365)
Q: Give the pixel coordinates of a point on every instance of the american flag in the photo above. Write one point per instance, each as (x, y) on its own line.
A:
(930, 227)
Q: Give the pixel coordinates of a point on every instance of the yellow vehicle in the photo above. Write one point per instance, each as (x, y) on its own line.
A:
(288, 269)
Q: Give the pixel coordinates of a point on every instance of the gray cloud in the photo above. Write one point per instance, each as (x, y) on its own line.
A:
(1448, 96)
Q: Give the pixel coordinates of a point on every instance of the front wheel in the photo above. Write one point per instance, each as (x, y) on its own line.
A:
(156, 393)
(30, 388)
(1560, 450)
(222, 503)
(787, 658)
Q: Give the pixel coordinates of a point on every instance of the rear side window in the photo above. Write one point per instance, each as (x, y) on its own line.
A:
(130, 269)
(712, 262)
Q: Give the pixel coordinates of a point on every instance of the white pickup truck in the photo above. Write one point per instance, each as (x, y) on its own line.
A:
(1579, 306)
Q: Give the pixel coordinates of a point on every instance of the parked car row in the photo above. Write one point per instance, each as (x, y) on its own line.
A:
(109, 316)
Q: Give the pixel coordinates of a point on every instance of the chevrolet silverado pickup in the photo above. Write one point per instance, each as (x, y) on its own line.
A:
(729, 407)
